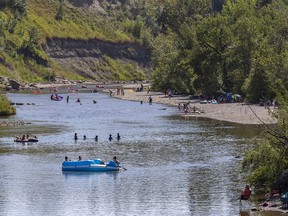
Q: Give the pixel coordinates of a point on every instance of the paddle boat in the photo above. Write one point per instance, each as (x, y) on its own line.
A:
(90, 166)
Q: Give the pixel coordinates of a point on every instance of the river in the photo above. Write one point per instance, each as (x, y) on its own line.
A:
(175, 166)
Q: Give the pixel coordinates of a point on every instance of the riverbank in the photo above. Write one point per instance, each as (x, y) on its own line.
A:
(240, 113)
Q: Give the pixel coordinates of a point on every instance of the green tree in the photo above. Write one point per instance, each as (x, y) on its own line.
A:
(31, 48)
(5, 107)
(269, 158)
(214, 38)
(138, 27)
(59, 14)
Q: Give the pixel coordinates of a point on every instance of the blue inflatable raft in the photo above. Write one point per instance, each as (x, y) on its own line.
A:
(90, 166)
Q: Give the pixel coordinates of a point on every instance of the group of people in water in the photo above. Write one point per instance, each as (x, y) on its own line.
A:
(79, 100)
(110, 138)
(25, 137)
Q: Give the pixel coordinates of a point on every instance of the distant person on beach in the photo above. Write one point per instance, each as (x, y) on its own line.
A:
(110, 138)
(148, 89)
(75, 136)
(110, 92)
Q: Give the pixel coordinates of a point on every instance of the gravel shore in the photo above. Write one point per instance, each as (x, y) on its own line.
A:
(230, 112)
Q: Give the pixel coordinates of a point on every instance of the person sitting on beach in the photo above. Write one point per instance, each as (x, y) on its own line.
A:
(246, 193)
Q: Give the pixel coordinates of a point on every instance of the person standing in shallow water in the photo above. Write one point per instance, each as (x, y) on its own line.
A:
(75, 136)
(118, 137)
(150, 100)
(110, 138)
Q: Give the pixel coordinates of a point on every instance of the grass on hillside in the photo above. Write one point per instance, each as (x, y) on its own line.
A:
(76, 24)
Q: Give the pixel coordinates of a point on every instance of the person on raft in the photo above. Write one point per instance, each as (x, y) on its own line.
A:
(116, 161)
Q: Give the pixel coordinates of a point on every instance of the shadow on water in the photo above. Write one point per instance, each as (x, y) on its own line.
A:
(73, 174)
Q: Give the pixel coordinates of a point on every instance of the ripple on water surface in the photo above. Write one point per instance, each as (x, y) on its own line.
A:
(174, 166)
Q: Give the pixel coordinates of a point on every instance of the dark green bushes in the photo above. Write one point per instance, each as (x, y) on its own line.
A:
(5, 107)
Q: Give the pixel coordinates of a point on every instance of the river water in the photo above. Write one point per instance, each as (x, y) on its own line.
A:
(175, 166)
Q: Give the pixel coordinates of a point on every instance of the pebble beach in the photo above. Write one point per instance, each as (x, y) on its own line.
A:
(240, 113)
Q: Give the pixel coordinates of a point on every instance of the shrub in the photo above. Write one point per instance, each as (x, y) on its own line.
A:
(5, 107)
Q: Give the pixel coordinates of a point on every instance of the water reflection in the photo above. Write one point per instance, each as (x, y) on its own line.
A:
(85, 175)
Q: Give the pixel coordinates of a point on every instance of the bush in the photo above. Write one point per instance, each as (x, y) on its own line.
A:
(5, 107)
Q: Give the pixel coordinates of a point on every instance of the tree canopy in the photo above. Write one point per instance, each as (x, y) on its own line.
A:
(240, 49)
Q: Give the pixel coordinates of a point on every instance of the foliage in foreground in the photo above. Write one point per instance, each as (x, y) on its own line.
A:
(5, 107)
(269, 159)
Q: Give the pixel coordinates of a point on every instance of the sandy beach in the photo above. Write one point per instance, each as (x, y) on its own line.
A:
(241, 113)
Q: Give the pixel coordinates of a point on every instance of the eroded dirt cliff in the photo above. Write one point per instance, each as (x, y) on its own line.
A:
(87, 57)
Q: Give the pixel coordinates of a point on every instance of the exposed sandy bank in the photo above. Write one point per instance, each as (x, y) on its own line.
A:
(231, 112)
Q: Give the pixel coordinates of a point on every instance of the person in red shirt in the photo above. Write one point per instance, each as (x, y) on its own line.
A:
(246, 193)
